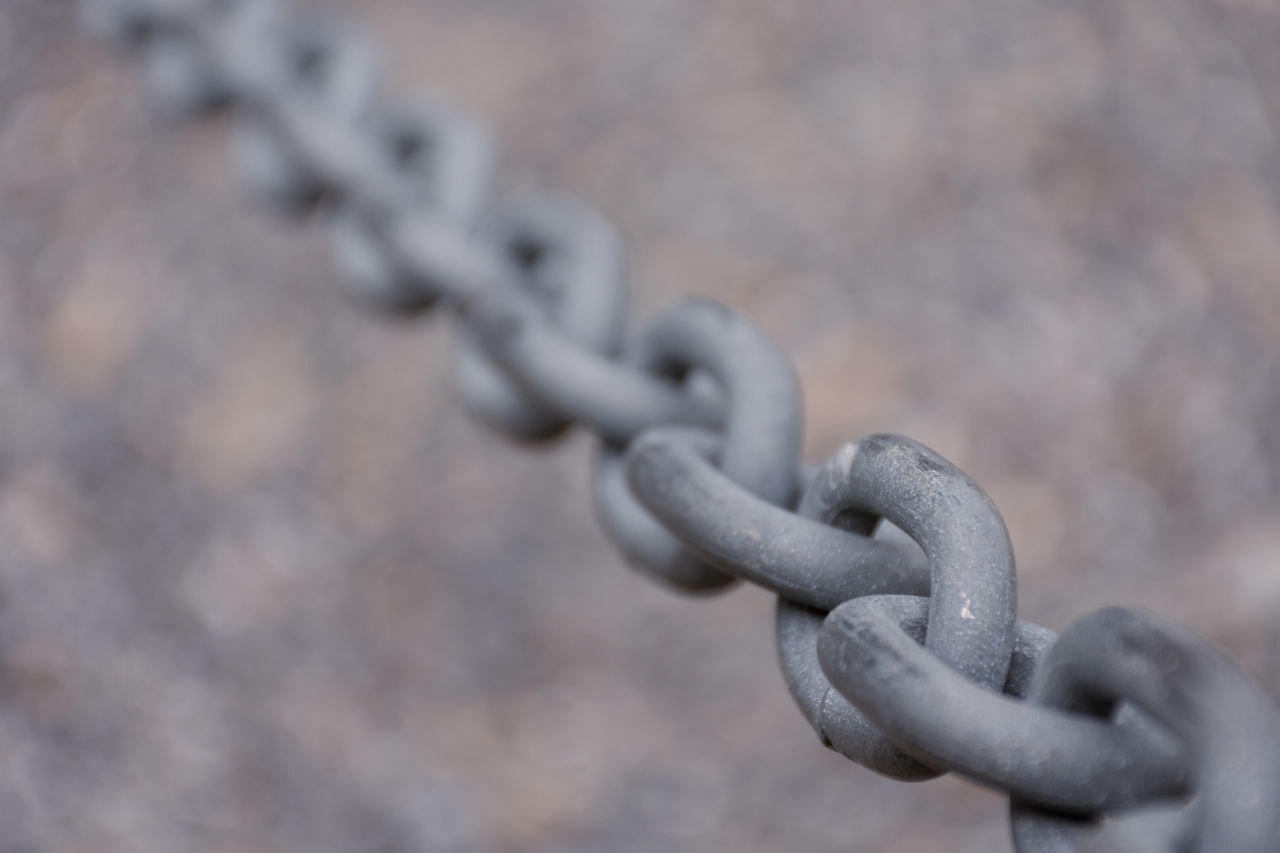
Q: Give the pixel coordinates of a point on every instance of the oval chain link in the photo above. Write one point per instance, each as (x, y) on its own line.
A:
(896, 623)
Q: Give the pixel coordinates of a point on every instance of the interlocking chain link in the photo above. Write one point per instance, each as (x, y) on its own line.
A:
(896, 622)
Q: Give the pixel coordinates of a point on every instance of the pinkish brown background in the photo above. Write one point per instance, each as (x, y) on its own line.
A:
(264, 588)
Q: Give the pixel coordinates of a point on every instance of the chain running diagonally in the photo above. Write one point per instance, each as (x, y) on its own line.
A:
(896, 622)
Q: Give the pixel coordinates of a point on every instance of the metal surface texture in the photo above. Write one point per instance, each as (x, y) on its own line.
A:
(896, 622)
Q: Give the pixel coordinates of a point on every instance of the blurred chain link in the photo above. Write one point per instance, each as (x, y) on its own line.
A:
(896, 622)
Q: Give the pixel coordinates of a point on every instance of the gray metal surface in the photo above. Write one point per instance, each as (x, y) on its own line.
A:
(300, 176)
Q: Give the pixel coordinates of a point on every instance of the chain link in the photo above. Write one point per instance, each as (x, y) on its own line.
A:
(896, 620)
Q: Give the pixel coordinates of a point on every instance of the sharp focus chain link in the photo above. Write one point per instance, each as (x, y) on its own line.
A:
(896, 622)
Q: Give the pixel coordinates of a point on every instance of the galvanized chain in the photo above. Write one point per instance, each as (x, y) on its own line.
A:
(896, 623)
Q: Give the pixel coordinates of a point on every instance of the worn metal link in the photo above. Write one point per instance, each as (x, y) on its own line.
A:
(896, 616)
(760, 443)
(611, 397)
(1228, 730)
(568, 266)
(972, 593)
(803, 561)
(437, 167)
(870, 650)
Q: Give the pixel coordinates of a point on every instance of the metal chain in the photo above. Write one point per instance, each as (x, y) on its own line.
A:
(896, 623)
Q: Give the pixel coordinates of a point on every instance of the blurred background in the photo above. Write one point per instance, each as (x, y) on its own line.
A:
(263, 586)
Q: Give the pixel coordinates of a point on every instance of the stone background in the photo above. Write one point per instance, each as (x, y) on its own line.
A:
(263, 587)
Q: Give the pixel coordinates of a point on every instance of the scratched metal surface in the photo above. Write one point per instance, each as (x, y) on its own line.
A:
(262, 586)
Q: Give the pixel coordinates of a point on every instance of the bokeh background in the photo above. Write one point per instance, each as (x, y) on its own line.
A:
(263, 586)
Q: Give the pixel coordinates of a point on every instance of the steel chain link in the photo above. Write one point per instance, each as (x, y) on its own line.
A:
(896, 623)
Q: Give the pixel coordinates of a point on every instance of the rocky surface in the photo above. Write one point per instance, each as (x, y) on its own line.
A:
(264, 587)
